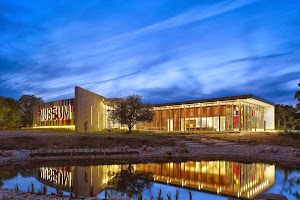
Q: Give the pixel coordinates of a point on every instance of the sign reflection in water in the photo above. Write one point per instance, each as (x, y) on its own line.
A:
(60, 177)
(220, 177)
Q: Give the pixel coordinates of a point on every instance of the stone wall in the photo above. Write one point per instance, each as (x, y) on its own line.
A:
(89, 107)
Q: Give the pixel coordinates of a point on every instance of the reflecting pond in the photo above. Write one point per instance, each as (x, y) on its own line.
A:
(202, 179)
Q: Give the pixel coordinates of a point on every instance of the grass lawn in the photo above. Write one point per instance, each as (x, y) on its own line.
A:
(256, 137)
(34, 139)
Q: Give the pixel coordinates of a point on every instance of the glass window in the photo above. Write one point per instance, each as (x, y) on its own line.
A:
(216, 123)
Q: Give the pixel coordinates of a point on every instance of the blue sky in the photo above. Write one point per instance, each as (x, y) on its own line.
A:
(164, 50)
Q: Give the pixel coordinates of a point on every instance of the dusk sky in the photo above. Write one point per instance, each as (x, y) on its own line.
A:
(164, 50)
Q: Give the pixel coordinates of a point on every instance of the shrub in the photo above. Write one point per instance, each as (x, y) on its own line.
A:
(291, 134)
(59, 192)
(44, 190)
(92, 191)
(177, 194)
(17, 187)
(159, 195)
(169, 195)
(32, 187)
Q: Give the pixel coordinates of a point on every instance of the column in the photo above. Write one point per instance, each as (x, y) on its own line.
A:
(160, 120)
(254, 114)
(212, 116)
(232, 116)
(195, 116)
(156, 120)
(219, 117)
(173, 118)
(189, 118)
(240, 109)
(226, 124)
(200, 117)
(169, 119)
(179, 118)
(184, 128)
(206, 117)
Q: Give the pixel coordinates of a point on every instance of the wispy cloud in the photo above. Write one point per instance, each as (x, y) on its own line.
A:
(196, 14)
(206, 50)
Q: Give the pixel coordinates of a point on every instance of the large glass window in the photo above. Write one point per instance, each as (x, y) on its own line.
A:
(216, 123)
(232, 116)
(222, 123)
(203, 123)
(209, 124)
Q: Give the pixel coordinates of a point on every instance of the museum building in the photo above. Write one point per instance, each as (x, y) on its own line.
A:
(235, 113)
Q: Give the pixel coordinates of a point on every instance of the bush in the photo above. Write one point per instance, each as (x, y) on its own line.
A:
(291, 134)
(17, 187)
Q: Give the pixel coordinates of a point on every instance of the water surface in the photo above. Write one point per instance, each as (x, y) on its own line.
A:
(203, 179)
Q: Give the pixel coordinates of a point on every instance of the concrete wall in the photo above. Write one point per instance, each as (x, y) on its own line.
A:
(269, 114)
(89, 107)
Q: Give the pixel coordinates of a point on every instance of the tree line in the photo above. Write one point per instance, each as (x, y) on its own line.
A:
(130, 111)
(15, 114)
(287, 117)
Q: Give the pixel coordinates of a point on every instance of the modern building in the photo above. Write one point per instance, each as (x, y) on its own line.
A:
(235, 113)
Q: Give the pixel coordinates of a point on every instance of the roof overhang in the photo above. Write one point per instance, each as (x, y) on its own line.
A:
(251, 99)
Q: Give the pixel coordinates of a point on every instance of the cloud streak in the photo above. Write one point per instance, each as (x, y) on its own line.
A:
(193, 15)
(199, 51)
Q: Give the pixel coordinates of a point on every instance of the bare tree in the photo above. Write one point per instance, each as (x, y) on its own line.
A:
(131, 111)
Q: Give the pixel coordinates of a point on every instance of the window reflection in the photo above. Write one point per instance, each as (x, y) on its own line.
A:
(220, 177)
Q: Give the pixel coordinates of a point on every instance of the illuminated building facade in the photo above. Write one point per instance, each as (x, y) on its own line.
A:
(236, 113)
(56, 113)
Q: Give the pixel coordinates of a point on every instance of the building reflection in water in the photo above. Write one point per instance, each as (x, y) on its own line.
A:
(219, 177)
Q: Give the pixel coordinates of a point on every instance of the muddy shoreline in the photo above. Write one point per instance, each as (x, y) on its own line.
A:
(63, 149)
(33, 162)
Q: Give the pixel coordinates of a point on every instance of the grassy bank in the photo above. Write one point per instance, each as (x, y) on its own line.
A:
(271, 138)
(35, 139)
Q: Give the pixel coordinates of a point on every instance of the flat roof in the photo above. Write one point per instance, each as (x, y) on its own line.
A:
(247, 96)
